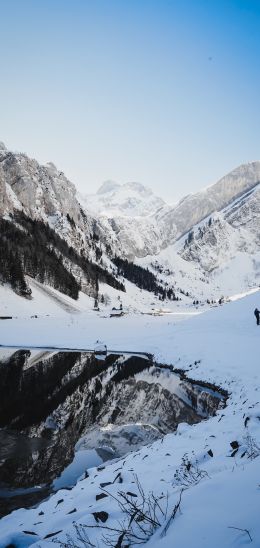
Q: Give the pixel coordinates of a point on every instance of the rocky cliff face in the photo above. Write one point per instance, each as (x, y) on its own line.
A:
(192, 209)
(236, 229)
(129, 218)
(43, 193)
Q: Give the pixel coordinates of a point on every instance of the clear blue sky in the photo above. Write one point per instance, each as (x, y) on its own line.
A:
(162, 92)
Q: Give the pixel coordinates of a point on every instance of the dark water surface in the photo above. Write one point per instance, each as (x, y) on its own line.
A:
(52, 401)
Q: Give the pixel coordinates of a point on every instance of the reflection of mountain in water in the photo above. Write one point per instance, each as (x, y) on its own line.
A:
(50, 400)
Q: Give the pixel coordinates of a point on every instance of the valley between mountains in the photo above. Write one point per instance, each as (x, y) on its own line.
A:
(158, 447)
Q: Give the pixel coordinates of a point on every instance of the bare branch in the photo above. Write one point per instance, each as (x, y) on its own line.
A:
(242, 530)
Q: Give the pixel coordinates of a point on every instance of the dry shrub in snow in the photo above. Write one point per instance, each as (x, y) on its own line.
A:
(142, 515)
(252, 448)
(188, 473)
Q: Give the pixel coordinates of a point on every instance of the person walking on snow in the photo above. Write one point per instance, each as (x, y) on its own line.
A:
(257, 315)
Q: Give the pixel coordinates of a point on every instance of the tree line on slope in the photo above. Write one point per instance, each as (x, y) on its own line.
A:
(31, 247)
(143, 278)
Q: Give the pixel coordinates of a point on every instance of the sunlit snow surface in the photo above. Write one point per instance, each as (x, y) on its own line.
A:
(220, 346)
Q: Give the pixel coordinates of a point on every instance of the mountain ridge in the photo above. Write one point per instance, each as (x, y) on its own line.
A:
(138, 225)
(157, 224)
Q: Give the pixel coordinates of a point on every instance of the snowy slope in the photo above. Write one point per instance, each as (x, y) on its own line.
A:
(235, 228)
(133, 236)
(46, 301)
(220, 494)
(220, 256)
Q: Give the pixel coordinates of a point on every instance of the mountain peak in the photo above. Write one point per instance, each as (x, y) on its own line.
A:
(2, 146)
(51, 167)
(132, 186)
(137, 187)
(108, 186)
(123, 200)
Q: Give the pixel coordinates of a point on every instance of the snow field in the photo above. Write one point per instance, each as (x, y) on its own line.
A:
(226, 342)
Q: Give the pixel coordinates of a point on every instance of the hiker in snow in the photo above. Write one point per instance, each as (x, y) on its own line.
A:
(257, 315)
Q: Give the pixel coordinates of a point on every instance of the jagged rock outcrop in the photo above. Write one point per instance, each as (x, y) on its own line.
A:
(43, 193)
(236, 229)
(195, 207)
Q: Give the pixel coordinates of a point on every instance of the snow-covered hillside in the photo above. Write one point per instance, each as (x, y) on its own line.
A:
(209, 470)
(220, 255)
(50, 303)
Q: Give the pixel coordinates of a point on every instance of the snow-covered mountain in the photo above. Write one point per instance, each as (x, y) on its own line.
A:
(43, 193)
(127, 216)
(195, 207)
(45, 232)
(235, 229)
(127, 200)
(220, 255)
(202, 241)
(142, 224)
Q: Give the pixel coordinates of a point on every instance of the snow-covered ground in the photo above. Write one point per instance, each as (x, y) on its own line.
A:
(238, 272)
(47, 304)
(56, 325)
(222, 500)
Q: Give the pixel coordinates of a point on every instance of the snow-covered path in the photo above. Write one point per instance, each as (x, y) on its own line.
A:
(222, 347)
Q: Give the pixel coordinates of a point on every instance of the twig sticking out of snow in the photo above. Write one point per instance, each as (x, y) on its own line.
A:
(172, 516)
(242, 530)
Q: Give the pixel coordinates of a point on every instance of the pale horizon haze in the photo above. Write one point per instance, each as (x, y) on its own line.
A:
(165, 93)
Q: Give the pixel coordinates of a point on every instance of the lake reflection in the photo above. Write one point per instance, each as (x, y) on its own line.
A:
(53, 401)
